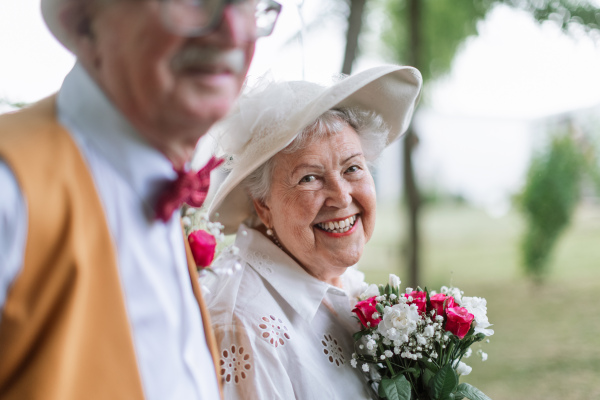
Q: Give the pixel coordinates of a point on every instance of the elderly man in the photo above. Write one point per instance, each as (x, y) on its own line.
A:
(97, 298)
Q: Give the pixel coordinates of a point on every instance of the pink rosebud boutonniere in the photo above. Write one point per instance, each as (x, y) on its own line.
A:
(203, 246)
(440, 302)
(419, 299)
(459, 321)
(365, 309)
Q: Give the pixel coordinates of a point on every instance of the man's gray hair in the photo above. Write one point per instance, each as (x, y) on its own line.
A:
(370, 127)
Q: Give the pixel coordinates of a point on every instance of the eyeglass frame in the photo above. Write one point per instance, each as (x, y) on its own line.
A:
(218, 16)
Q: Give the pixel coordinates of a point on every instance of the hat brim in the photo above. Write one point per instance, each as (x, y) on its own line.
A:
(51, 10)
(390, 91)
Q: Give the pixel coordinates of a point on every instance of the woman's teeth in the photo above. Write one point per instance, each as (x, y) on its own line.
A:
(338, 226)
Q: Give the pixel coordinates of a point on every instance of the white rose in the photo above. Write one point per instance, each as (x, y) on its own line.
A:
(456, 293)
(399, 321)
(372, 291)
(478, 307)
(463, 369)
(394, 281)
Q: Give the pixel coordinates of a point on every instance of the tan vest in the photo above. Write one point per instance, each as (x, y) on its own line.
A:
(64, 331)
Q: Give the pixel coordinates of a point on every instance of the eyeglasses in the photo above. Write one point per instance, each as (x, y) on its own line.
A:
(198, 17)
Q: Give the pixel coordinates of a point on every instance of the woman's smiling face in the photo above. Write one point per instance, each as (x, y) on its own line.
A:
(322, 204)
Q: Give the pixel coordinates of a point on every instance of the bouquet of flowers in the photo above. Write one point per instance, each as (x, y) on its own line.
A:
(412, 343)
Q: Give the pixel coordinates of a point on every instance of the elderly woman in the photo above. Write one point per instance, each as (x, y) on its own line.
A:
(302, 199)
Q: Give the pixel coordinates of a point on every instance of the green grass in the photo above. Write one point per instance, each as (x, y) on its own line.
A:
(547, 338)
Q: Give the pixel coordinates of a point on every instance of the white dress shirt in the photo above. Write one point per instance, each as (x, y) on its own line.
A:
(283, 334)
(172, 355)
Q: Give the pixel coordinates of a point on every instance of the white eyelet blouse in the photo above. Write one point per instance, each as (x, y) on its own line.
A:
(283, 334)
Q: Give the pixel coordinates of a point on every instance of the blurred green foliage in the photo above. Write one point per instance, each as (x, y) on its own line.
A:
(565, 13)
(550, 195)
(592, 159)
(555, 181)
(445, 24)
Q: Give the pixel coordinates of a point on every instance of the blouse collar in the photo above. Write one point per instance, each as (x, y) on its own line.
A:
(288, 278)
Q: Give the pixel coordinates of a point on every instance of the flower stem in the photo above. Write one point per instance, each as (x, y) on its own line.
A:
(387, 361)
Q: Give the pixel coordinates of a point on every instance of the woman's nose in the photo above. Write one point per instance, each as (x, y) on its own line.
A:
(339, 193)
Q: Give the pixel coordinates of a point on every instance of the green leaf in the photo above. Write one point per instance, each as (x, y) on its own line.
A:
(471, 330)
(428, 374)
(470, 392)
(479, 337)
(443, 383)
(430, 366)
(427, 299)
(395, 388)
(356, 336)
(380, 309)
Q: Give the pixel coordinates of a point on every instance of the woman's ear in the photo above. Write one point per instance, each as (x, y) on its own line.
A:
(263, 211)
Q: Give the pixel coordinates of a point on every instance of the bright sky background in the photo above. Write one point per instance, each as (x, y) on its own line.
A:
(480, 115)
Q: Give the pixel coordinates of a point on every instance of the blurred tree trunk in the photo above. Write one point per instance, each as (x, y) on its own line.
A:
(411, 191)
(413, 202)
(357, 8)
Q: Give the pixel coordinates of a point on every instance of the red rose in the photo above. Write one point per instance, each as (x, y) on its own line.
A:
(419, 299)
(441, 302)
(203, 246)
(364, 310)
(459, 321)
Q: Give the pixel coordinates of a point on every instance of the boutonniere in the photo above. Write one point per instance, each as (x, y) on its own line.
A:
(207, 241)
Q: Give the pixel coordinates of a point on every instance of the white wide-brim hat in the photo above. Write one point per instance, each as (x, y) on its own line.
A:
(51, 13)
(267, 119)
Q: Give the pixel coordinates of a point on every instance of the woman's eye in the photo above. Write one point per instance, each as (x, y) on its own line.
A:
(307, 179)
(353, 168)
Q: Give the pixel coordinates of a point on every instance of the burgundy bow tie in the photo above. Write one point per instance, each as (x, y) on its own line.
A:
(189, 187)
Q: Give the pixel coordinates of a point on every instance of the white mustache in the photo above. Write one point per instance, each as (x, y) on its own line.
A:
(233, 60)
